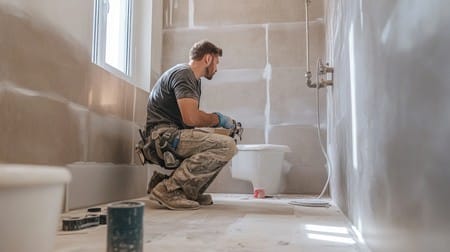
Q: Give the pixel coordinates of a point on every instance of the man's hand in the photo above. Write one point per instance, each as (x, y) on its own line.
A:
(225, 121)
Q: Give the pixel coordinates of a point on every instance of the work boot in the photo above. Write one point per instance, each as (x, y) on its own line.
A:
(204, 200)
(155, 179)
(175, 200)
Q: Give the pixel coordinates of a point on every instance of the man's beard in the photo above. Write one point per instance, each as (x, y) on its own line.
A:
(208, 74)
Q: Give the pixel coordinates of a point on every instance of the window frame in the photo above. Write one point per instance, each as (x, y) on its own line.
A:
(99, 39)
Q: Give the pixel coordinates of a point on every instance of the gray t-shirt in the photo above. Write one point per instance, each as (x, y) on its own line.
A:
(176, 83)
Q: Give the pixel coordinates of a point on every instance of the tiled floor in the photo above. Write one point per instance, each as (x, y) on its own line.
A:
(236, 222)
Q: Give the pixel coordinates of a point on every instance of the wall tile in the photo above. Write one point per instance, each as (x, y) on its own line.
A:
(40, 59)
(252, 135)
(308, 170)
(285, 11)
(236, 12)
(175, 15)
(38, 130)
(4, 114)
(240, 94)
(110, 139)
(287, 46)
(109, 94)
(140, 114)
(211, 13)
(292, 102)
(243, 47)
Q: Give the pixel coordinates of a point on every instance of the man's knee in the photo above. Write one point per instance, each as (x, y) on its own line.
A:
(230, 147)
(225, 146)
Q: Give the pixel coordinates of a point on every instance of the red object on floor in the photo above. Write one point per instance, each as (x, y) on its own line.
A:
(259, 193)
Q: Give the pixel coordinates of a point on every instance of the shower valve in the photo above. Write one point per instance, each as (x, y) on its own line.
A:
(324, 70)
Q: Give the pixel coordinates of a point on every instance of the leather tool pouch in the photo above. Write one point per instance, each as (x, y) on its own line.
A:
(146, 151)
(166, 142)
(159, 148)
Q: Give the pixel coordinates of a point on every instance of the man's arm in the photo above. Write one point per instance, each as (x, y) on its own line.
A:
(194, 117)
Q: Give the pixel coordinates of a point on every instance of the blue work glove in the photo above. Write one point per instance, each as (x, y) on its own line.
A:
(225, 121)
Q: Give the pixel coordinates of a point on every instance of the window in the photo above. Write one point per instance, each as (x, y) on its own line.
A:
(112, 35)
(122, 38)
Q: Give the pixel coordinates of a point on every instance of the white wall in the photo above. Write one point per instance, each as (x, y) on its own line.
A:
(389, 111)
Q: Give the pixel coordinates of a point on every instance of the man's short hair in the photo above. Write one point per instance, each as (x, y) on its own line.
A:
(202, 48)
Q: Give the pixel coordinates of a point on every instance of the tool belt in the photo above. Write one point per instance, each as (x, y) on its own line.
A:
(158, 147)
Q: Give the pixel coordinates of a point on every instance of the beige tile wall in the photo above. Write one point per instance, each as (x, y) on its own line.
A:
(38, 130)
(238, 93)
(244, 47)
(208, 13)
(298, 104)
(175, 13)
(57, 108)
(308, 171)
(264, 60)
(287, 44)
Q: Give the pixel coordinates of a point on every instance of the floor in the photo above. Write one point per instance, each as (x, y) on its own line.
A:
(235, 222)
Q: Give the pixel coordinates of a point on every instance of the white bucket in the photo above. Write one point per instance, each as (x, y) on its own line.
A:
(30, 204)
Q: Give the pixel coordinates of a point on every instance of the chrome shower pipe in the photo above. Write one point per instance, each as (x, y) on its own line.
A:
(322, 69)
(308, 74)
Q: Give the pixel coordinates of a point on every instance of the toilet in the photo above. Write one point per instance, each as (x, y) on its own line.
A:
(261, 164)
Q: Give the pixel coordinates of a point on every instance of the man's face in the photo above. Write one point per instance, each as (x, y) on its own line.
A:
(211, 68)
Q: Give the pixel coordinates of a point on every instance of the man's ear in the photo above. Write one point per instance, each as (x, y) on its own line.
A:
(208, 59)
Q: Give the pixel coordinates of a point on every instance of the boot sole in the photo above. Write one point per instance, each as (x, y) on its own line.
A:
(156, 198)
(205, 204)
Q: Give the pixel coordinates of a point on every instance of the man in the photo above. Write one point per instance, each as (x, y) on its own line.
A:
(172, 115)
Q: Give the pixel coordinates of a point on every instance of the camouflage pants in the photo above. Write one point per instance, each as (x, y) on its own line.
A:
(204, 156)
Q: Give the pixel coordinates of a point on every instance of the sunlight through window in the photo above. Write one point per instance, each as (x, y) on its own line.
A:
(117, 34)
(327, 229)
(331, 238)
(358, 235)
(351, 56)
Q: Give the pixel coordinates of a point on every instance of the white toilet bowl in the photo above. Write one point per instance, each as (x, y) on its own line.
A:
(30, 204)
(261, 164)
